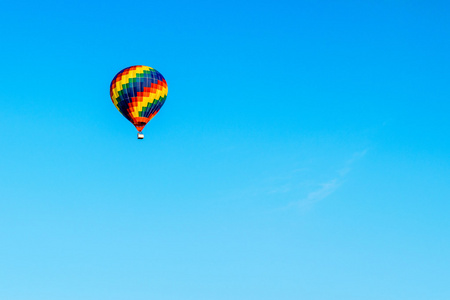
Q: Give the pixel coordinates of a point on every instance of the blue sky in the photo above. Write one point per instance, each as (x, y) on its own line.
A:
(302, 153)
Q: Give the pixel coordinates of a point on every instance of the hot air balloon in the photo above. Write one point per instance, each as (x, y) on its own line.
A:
(138, 92)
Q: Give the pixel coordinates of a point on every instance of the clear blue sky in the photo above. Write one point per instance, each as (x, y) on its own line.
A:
(303, 151)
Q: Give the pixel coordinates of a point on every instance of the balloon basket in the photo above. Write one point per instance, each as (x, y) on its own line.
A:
(140, 135)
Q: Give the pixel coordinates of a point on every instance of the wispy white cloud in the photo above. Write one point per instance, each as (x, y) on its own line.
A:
(348, 164)
(327, 188)
(298, 188)
(321, 193)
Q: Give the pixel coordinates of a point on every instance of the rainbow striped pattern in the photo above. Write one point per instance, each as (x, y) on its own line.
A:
(138, 92)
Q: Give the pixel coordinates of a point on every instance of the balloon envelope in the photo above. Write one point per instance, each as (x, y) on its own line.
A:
(138, 92)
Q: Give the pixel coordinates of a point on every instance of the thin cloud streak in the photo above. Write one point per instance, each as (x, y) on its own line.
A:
(324, 191)
(329, 187)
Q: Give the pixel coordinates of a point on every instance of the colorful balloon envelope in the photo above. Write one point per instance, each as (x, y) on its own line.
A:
(138, 93)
